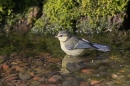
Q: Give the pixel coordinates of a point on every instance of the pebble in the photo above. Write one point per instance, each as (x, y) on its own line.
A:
(71, 83)
(11, 78)
(53, 80)
(35, 83)
(87, 71)
(94, 82)
(43, 79)
(20, 69)
(39, 62)
(48, 85)
(84, 84)
(1, 66)
(32, 72)
(53, 60)
(5, 66)
(36, 78)
(23, 84)
(23, 64)
(10, 84)
(25, 76)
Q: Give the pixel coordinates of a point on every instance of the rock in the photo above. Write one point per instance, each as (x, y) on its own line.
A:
(94, 82)
(52, 80)
(87, 71)
(14, 63)
(43, 79)
(70, 78)
(8, 77)
(23, 64)
(1, 66)
(5, 66)
(32, 73)
(58, 77)
(53, 60)
(117, 76)
(49, 85)
(11, 78)
(111, 83)
(114, 76)
(20, 69)
(35, 83)
(36, 78)
(13, 55)
(9, 70)
(84, 84)
(39, 62)
(24, 76)
(71, 83)
(10, 84)
(23, 84)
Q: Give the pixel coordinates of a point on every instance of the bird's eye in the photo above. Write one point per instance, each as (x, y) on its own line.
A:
(61, 35)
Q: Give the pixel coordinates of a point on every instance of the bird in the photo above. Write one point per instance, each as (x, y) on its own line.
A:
(75, 46)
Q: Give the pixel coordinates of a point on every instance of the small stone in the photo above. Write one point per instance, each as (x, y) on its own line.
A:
(43, 79)
(23, 84)
(55, 78)
(58, 77)
(11, 78)
(5, 66)
(94, 82)
(52, 80)
(9, 70)
(114, 76)
(10, 84)
(23, 64)
(39, 62)
(25, 76)
(50, 60)
(13, 54)
(48, 85)
(84, 84)
(111, 83)
(36, 83)
(32, 74)
(1, 66)
(20, 69)
(36, 78)
(71, 83)
(87, 71)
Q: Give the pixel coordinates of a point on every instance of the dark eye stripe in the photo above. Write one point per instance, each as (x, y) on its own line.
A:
(61, 35)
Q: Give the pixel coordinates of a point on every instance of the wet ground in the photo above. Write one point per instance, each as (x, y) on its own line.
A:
(45, 69)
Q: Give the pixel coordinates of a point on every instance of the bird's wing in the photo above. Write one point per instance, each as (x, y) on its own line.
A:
(71, 43)
(82, 44)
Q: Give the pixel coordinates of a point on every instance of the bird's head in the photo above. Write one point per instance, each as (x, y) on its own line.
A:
(63, 35)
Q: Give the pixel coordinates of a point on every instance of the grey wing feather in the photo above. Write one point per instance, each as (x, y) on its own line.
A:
(69, 47)
(71, 43)
(82, 44)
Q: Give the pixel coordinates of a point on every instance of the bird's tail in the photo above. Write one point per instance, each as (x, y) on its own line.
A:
(101, 47)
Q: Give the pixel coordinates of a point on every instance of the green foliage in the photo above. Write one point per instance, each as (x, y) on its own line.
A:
(61, 13)
(100, 13)
(10, 8)
(95, 14)
(5, 8)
